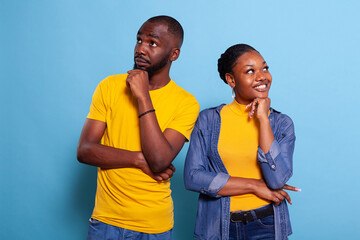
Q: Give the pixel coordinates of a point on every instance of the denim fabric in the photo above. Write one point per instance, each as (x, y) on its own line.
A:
(258, 229)
(102, 231)
(204, 172)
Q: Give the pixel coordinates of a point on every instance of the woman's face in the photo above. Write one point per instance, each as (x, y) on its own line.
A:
(250, 78)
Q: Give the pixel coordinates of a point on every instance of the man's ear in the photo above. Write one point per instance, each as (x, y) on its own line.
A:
(230, 80)
(175, 54)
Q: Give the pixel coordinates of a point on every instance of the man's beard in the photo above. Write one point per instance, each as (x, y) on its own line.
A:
(153, 69)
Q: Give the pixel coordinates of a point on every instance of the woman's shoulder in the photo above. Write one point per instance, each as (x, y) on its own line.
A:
(208, 116)
(210, 112)
(280, 118)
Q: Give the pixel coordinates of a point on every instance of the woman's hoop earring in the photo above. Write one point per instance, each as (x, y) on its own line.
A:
(233, 93)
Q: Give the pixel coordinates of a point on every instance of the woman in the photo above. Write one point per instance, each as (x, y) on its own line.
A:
(240, 156)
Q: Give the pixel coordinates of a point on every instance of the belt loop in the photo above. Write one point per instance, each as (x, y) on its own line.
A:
(254, 215)
(245, 221)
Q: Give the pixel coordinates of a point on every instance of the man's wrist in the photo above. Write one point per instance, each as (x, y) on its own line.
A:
(140, 161)
(144, 98)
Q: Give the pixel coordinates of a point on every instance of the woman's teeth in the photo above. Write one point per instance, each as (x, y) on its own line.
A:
(263, 86)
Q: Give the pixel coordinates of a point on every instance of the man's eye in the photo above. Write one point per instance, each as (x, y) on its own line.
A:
(250, 71)
(153, 44)
(139, 41)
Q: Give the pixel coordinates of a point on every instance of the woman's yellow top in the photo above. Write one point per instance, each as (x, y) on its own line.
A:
(238, 145)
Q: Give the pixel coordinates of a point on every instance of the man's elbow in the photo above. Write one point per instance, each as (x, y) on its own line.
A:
(158, 161)
(158, 167)
(81, 153)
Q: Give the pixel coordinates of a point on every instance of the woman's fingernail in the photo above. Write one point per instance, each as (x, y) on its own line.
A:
(298, 189)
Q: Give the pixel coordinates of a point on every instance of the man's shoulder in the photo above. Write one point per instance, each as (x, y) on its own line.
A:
(115, 79)
(113, 83)
(181, 93)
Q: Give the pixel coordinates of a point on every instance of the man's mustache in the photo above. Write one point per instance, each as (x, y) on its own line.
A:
(142, 58)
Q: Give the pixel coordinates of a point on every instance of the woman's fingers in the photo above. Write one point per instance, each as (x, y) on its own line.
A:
(279, 196)
(291, 188)
(259, 104)
(252, 107)
(286, 196)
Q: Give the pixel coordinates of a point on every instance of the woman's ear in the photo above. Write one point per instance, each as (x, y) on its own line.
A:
(175, 54)
(230, 80)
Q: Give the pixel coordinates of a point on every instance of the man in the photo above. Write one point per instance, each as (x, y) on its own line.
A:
(142, 119)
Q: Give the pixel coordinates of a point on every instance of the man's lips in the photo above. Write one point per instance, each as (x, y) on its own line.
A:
(140, 61)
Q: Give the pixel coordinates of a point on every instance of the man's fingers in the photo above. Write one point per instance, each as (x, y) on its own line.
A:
(172, 168)
(158, 178)
(164, 176)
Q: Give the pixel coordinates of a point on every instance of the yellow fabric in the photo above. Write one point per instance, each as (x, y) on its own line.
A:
(127, 197)
(238, 144)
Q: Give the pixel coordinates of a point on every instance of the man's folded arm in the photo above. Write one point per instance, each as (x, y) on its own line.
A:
(91, 152)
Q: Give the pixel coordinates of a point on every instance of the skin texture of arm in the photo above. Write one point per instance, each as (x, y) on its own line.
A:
(239, 186)
(260, 108)
(159, 148)
(91, 152)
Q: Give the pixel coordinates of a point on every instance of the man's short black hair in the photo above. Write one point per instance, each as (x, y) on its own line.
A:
(174, 27)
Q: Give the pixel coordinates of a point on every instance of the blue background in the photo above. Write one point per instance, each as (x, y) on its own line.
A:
(54, 53)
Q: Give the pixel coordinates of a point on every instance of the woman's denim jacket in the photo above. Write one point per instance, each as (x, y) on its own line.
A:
(205, 173)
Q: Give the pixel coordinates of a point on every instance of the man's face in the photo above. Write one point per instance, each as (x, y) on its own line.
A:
(153, 48)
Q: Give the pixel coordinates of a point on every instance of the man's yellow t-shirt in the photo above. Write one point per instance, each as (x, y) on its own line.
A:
(238, 146)
(127, 197)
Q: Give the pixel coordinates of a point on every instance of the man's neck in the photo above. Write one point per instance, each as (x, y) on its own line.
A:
(159, 79)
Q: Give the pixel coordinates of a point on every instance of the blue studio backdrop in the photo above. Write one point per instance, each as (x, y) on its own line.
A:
(54, 53)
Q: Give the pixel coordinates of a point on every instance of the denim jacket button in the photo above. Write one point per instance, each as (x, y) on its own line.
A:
(273, 166)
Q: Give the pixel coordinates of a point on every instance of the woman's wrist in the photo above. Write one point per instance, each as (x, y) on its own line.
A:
(253, 184)
(263, 119)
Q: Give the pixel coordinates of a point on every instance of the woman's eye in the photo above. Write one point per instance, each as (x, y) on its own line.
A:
(250, 71)
(266, 68)
(139, 41)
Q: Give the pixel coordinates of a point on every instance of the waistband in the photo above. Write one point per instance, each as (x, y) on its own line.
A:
(252, 215)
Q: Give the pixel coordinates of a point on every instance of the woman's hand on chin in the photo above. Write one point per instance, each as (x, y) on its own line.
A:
(259, 108)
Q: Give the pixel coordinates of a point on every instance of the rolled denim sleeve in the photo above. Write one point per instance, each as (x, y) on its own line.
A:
(198, 173)
(277, 164)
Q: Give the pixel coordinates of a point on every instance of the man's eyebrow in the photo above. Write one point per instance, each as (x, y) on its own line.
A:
(149, 35)
(153, 36)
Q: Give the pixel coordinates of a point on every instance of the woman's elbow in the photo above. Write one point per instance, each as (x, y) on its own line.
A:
(278, 183)
(188, 181)
(275, 185)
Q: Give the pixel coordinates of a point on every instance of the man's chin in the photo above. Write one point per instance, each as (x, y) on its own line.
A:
(139, 67)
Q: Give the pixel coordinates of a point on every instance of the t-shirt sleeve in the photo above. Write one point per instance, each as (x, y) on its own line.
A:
(186, 116)
(98, 105)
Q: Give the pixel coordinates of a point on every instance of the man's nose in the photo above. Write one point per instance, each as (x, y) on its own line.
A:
(141, 49)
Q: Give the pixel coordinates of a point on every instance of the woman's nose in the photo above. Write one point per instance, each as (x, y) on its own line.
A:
(260, 76)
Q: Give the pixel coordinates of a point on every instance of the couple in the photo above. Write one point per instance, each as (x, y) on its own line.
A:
(239, 158)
